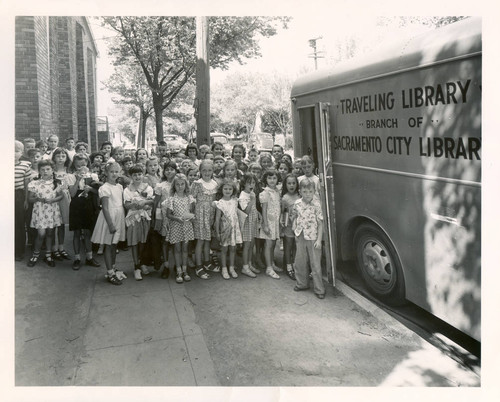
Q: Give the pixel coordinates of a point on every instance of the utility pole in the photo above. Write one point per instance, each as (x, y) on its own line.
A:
(315, 55)
(202, 100)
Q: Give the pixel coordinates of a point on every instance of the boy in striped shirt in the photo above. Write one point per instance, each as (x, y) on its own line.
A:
(22, 176)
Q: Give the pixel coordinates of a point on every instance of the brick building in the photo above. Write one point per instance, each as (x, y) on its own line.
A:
(55, 79)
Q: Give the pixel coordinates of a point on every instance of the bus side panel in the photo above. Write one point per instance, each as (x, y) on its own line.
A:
(407, 154)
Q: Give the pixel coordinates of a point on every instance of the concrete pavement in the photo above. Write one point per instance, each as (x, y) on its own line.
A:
(75, 329)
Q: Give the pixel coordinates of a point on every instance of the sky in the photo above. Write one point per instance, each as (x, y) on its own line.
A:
(288, 52)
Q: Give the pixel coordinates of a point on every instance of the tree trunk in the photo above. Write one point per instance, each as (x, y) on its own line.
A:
(144, 120)
(158, 108)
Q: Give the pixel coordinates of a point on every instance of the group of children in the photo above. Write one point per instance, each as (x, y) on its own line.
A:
(168, 207)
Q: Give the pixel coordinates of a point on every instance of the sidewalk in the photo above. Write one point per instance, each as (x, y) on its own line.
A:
(74, 328)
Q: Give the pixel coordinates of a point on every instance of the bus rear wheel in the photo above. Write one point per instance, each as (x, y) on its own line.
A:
(379, 264)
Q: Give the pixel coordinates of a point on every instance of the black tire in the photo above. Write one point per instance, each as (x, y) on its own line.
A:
(379, 264)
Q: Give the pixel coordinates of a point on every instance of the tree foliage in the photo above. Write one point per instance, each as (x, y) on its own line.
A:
(434, 22)
(241, 96)
(165, 49)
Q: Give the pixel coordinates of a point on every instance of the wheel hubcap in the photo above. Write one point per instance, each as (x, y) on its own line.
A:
(377, 263)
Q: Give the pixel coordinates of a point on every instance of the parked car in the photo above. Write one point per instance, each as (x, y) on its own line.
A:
(129, 149)
(263, 142)
(175, 143)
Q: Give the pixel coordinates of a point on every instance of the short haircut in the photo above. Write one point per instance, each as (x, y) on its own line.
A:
(151, 160)
(108, 166)
(247, 177)
(115, 150)
(126, 159)
(45, 162)
(204, 147)
(267, 173)
(305, 159)
(18, 146)
(137, 168)
(217, 143)
(206, 162)
(79, 157)
(254, 165)
(93, 155)
(81, 144)
(285, 162)
(58, 151)
(33, 151)
(191, 146)
(243, 150)
(29, 140)
(307, 183)
(227, 182)
(69, 139)
(219, 158)
(107, 143)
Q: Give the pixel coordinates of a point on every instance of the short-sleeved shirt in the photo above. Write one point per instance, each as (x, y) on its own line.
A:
(306, 217)
(22, 172)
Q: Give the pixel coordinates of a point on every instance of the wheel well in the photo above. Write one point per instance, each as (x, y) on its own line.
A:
(346, 241)
(347, 251)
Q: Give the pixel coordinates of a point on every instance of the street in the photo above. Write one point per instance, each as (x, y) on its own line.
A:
(73, 328)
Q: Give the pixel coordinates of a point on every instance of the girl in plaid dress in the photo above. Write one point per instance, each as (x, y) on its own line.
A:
(203, 190)
(270, 199)
(248, 205)
(160, 221)
(180, 208)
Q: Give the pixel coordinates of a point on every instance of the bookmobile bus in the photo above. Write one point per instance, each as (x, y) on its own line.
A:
(396, 137)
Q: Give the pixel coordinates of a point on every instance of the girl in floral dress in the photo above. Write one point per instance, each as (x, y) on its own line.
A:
(204, 191)
(45, 194)
(227, 227)
(270, 230)
(179, 211)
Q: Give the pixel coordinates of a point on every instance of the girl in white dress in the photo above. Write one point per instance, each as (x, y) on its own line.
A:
(227, 227)
(271, 209)
(110, 226)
